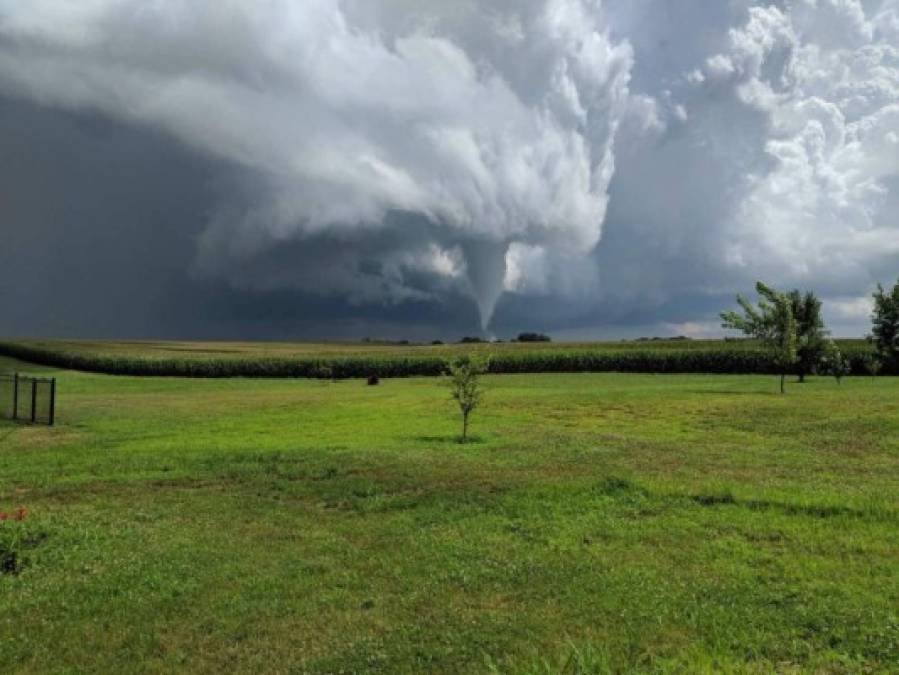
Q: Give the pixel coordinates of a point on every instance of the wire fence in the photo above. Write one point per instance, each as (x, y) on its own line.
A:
(28, 399)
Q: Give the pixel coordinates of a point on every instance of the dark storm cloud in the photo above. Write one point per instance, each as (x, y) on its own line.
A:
(98, 224)
(337, 168)
(100, 229)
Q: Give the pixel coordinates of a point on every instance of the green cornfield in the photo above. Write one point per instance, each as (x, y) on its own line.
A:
(344, 361)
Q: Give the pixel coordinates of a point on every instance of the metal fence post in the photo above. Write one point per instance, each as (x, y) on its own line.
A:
(52, 400)
(33, 400)
(15, 396)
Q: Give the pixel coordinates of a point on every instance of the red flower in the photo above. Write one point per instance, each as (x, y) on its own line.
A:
(20, 513)
(4, 515)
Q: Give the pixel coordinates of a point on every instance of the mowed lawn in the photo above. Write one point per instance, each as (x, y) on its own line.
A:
(598, 523)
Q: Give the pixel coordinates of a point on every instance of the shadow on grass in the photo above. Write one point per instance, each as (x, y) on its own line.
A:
(451, 440)
(624, 489)
(813, 510)
(735, 392)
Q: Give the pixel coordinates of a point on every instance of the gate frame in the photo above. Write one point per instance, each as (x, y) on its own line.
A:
(35, 381)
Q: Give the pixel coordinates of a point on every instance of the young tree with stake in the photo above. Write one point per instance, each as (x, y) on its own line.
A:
(465, 385)
(772, 323)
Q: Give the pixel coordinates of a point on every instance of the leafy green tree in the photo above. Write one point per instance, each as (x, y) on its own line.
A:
(465, 385)
(772, 323)
(811, 336)
(835, 363)
(886, 324)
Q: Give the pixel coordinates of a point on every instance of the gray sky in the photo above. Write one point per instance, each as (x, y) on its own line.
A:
(349, 168)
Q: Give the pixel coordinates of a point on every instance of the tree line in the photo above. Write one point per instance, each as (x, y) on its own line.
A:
(791, 326)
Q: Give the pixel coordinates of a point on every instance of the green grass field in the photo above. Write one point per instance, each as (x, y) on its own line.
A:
(599, 523)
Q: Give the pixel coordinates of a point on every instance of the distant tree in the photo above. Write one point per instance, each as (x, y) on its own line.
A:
(468, 340)
(872, 364)
(437, 342)
(772, 323)
(534, 337)
(834, 362)
(678, 338)
(811, 336)
(465, 386)
(886, 324)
